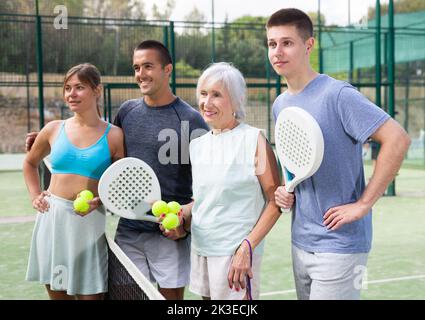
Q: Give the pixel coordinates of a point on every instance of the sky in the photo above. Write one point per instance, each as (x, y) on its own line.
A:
(335, 11)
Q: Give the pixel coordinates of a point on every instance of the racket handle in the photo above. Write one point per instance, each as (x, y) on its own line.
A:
(290, 190)
(284, 210)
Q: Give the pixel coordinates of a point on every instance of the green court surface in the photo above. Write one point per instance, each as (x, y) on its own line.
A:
(15, 200)
(396, 266)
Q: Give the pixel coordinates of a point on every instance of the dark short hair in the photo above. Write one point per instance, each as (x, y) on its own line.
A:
(292, 17)
(164, 54)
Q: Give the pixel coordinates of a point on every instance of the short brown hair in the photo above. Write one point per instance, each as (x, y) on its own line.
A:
(293, 17)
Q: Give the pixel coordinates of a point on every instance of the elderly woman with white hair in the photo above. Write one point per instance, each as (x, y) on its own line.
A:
(235, 174)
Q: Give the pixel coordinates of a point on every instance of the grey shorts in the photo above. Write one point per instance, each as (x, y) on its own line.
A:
(161, 260)
(328, 276)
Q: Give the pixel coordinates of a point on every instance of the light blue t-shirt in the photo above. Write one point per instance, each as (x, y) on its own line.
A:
(347, 120)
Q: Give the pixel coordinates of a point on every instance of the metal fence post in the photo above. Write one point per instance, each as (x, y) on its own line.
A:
(351, 62)
(391, 76)
(173, 57)
(165, 36)
(269, 120)
(39, 66)
(109, 104)
(105, 103)
(212, 34)
(43, 171)
(319, 36)
(378, 55)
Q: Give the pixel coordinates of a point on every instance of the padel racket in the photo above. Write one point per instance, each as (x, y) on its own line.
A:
(299, 146)
(128, 188)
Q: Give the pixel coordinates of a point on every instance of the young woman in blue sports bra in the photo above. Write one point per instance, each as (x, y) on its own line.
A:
(68, 250)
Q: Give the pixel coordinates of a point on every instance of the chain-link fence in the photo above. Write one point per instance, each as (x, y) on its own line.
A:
(347, 53)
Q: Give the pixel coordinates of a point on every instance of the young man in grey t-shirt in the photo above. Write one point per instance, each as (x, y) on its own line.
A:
(331, 222)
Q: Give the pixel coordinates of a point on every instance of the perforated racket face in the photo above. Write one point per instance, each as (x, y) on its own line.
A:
(299, 143)
(128, 187)
(295, 143)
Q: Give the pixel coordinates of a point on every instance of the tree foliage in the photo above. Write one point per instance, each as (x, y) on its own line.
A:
(400, 6)
(163, 13)
(195, 15)
(108, 43)
(314, 18)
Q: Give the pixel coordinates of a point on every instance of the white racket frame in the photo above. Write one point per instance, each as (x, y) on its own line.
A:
(140, 203)
(306, 137)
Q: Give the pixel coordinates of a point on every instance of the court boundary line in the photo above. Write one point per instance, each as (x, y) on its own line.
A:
(273, 293)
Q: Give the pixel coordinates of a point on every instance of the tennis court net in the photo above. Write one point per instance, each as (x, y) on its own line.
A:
(125, 281)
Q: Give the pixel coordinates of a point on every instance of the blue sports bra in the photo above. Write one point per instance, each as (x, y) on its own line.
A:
(90, 162)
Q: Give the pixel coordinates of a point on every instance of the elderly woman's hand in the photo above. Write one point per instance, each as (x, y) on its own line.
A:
(240, 267)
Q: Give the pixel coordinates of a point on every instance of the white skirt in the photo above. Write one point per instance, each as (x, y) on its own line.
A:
(68, 251)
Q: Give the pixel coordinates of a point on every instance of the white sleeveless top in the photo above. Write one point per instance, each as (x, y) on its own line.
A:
(227, 193)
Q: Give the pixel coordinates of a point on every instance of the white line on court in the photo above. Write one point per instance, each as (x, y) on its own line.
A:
(274, 293)
(396, 279)
(367, 282)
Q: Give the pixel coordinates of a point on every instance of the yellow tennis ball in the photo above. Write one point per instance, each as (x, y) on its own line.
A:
(86, 194)
(81, 205)
(160, 207)
(174, 207)
(171, 221)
